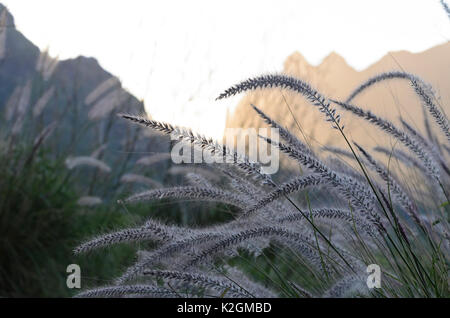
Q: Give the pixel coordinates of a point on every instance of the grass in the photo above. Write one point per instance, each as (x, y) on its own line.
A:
(41, 223)
(239, 237)
(229, 230)
(373, 218)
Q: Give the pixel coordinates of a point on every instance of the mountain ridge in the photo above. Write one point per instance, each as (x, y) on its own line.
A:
(335, 78)
(29, 77)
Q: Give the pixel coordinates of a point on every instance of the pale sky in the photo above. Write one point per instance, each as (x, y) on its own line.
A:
(179, 55)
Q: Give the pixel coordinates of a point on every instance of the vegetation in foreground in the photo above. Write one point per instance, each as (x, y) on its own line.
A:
(379, 214)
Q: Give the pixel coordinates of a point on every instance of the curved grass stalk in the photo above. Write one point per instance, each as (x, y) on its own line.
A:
(151, 230)
(208, 144)
(188, 192)
(421, 89)
(290, 139)
(196, 279)
(121, 291)
(302, 242)
(351, 189)
(296, 184)
(329, 213)
(165, 252)
(392, 185)
(427, 161)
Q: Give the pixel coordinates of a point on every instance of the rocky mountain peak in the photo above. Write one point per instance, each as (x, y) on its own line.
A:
(333, 60)
(6, 18)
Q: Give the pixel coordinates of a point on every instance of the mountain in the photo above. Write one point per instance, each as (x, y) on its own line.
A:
(77, 94)
(333, 77)
(17, 55)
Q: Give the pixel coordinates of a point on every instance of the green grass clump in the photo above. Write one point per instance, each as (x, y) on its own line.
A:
(40, 224)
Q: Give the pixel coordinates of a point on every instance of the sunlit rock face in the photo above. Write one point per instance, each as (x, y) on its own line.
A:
(334, 78)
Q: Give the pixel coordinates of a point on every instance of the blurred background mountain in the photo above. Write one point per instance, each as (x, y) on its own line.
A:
(78, 93)
(335, 78)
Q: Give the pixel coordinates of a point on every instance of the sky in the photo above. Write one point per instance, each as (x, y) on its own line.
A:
(179, 55)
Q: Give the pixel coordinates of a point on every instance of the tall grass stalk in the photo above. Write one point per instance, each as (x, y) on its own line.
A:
(371, 219)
